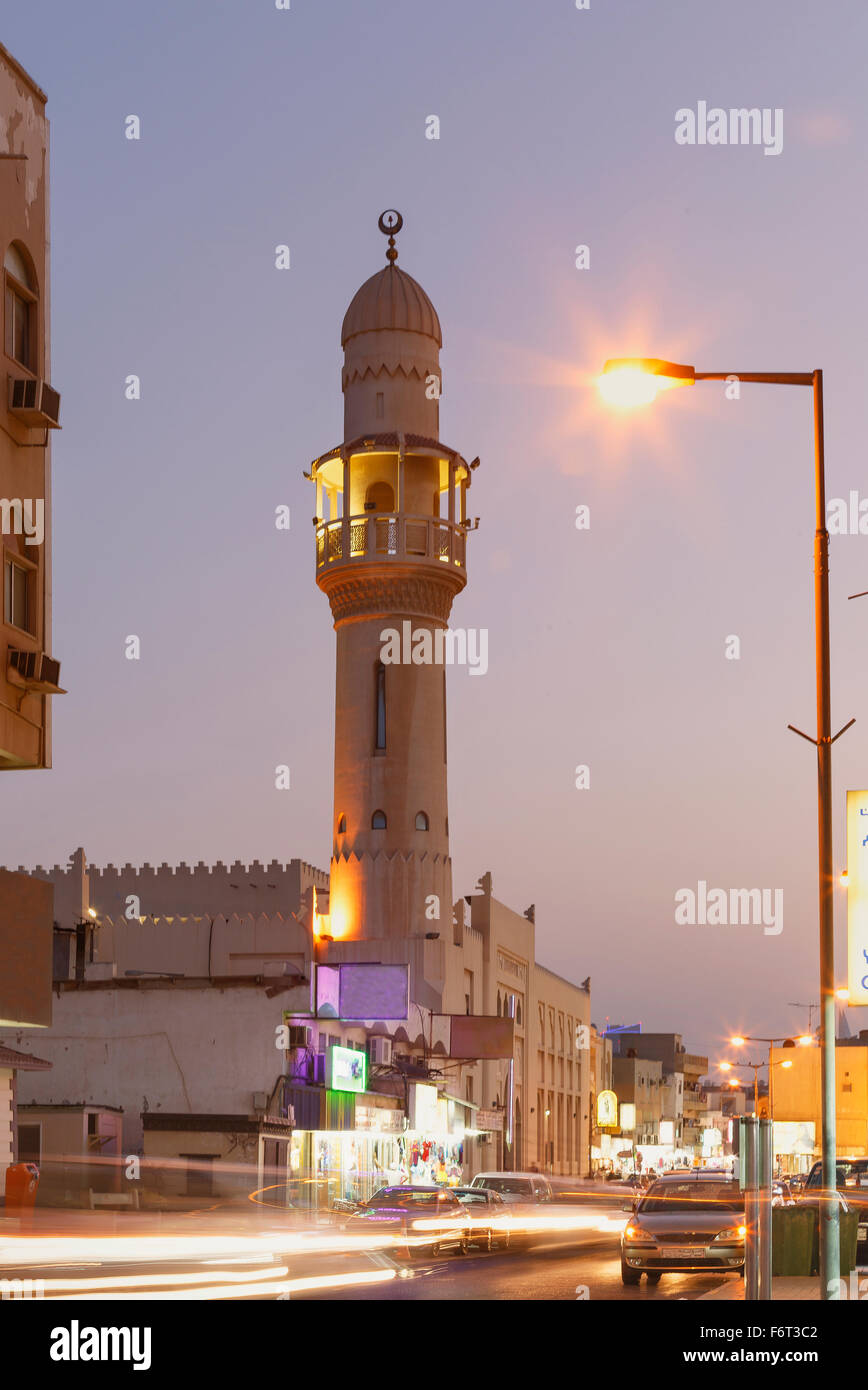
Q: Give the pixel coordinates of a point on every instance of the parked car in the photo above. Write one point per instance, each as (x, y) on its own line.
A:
(397, 1212)
(852, 1184)
(782, 1194)
(516, 1187)
(488, 1212)
(686, 1221)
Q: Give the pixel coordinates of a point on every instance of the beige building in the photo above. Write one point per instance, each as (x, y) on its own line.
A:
(798, 1090)
(29, 410)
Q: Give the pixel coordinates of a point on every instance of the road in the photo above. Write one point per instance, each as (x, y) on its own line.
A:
(544, 1272)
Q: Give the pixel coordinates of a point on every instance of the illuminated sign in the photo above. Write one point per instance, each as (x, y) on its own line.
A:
(607, 1109)
(628, 1116)
(857, 897)
(346, 1069)
(667, 1131)
(423, 1107)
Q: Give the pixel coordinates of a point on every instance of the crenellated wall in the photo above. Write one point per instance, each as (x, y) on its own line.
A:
(177, 890)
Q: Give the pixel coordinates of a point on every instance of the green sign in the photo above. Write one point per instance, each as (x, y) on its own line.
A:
(346, 1069)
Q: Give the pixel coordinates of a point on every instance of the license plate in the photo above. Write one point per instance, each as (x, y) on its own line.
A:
(686, 1252)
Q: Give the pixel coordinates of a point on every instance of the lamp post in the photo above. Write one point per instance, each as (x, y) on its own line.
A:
(633, 381)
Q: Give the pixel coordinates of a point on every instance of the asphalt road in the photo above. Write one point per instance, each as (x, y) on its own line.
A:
(544, 1272)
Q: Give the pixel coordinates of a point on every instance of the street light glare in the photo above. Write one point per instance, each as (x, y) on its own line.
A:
(632, 381)
(726, 1066)
(628, 387)
(785, 1065)
(738, 1042)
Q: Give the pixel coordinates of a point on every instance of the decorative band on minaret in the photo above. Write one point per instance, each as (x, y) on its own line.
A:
(391, 538)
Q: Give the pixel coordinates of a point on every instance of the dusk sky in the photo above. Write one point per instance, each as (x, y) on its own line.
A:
(606, 646)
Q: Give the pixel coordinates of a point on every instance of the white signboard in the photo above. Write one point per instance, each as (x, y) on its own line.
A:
(857, 897)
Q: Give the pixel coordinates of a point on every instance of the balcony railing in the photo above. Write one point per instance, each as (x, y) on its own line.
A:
(385, 536)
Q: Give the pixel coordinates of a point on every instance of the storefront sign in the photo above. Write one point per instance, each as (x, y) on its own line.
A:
(423, 1107)
(667, 1131)
(488, 1119)
(346, 1069)
(857, 896)
(378, 1120)
(607, 1109)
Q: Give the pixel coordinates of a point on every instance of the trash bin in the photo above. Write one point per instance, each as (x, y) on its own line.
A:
(22, 1180)
(849, 1230)
(793, 1234)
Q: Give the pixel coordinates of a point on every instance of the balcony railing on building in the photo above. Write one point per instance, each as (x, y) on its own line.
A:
(387, 536)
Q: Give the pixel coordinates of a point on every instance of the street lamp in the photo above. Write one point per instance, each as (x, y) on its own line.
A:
(631, 381)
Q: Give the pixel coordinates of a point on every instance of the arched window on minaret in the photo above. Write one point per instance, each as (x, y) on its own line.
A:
(380, 728)
(378, 820)
(380, 497)
(342, 825)
(421, 820)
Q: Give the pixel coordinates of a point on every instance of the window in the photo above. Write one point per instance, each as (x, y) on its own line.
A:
(380, 405)
(20, 309)
(421, 820)
(378, 820)
(380, 497)
(380, 729)
(342, 825)
(18, 608)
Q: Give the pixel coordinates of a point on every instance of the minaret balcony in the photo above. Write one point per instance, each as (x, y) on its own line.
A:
(390, 538)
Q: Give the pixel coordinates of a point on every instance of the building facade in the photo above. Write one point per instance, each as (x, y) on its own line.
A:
(29, 410)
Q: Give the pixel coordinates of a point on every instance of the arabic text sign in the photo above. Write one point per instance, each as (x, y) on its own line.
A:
(857, 896)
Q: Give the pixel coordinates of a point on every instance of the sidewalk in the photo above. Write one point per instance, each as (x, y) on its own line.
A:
(802, 1288)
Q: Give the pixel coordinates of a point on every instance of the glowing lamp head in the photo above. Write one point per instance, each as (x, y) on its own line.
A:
(786, 1065)
(726, 1066)
(843, 993)
(631, 381)
(844, 878)
(738, 1042)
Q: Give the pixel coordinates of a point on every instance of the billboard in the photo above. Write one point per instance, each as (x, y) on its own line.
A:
(346, 1069)
(474, 1036)
(359, 991)
(857, 897)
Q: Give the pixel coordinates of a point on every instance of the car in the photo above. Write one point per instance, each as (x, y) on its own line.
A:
(686, 1221)
(516, 1187)
(782, 1194)
(487, 1211)
(427, 1219)
(852, 1184)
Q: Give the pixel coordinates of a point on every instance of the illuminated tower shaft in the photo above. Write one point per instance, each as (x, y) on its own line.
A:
(390, 555)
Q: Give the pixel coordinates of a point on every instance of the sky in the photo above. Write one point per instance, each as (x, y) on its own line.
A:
(607, 645)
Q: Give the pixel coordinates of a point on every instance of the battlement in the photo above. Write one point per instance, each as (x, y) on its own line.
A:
(177, 890)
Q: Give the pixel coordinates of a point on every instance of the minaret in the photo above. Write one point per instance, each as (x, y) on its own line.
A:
(390, 554)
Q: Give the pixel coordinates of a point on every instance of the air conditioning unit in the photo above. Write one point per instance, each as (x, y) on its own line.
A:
(380, 1051)
(34, 402)
(36, 670)
(299, 1036)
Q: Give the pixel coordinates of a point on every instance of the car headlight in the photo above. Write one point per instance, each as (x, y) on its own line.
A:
(733, 1236)
(636, 1234)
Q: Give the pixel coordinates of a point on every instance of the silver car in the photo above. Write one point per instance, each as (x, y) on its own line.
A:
(686, 1221)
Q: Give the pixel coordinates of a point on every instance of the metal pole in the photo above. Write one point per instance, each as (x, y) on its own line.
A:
(829, 1226)
(764, 1262)
(751, 1253)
